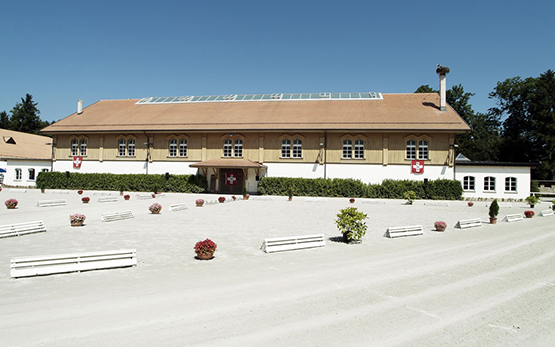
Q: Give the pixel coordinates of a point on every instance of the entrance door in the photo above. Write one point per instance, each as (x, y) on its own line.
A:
(231, 181)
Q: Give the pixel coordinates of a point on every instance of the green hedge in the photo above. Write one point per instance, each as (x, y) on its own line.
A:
(337, 187)
(126, 182)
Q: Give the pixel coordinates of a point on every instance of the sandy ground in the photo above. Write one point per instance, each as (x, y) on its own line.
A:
(487, 286)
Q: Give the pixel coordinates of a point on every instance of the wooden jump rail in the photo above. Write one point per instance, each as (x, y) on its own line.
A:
(278, 244)
(404, 231)
(22, 229)
(114, 216)
(73, 262)
(50, 203)
(468, 223)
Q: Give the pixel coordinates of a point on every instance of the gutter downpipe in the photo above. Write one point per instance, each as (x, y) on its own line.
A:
(325, 151)
(147, 150)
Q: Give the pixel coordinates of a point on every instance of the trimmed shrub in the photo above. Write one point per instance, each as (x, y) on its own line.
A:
(118, 182)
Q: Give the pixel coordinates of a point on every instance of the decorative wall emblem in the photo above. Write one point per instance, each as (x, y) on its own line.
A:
(230, 179)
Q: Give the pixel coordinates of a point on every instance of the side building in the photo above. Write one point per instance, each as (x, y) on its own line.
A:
(22, 157)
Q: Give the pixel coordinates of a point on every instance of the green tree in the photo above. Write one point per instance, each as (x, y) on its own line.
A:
(528, 107)
(4, 120)
(25, 116)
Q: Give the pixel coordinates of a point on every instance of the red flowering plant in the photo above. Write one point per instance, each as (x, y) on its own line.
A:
(352, 200)
(529, 214)
(205, 247)
(221, 199)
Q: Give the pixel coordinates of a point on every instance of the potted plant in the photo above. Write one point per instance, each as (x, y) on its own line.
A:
(205, 249)
(77, 219)
(493, 211)
(121, 189)
(199, 202)
(529, 214)
(532, 200)
(85, 199)
(352, 200)
(221, 199)
(553, 205)
(11, 203)
(79, 192)
(351, 223)
(410, 195)
(470, 204)
(155, 208)
(127, 196)
(290, 192)
(234, 198)
(440, 225)
(246, 197)
(42, 187)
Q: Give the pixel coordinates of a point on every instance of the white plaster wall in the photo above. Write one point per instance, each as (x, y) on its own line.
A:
(366, 173)
(522, 175)
(24, 165)
(126, 167)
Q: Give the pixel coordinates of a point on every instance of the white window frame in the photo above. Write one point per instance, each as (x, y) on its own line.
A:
(347, 149)
(297, 148)
(122, 147)
(423, 150)
(74, 147)
(31, 174)
(359, 149)
(18, 174)
(411, 149)
(172, 148)
(286, 148)
(131, 147)
(489, 184)
(469, 183)
(83, 147)
(510, 182)
(182, 147)
(238, 148)
(227, 150)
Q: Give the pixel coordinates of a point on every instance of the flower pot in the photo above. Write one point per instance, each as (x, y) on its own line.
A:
(440, 228)
(493, 220)
(199, 205)
(11, 207)
(205, 256)
(86, 201)
(126, 197)
(76, 224)
(290, 199)
(155, 212)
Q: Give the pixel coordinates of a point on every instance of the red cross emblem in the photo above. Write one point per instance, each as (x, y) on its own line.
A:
(230, 179)
(417, 166)
(77, 162)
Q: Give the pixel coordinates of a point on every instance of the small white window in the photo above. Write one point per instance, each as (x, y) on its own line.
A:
(423, 150)
(227, 148)
(182, 148)
(347, 149)
(238, 148)
(74, 147)
(297, 148)
(131, 148)
(31, 174)
(510, 184)
(83, 147)
(359, 149)
(18, 174)
(468, 182)
(122, 146)
(173, 147)
(489, 184)
(411, 149)
(286, 148)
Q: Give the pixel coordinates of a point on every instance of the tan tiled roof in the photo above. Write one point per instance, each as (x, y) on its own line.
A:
(27, 146)
(405, 112)
(234, 163)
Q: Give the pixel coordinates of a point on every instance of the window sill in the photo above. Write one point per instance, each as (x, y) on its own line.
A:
(176, 157)
(78, 155)
(511, 192)
(295, 158)
(123, 157)
(469, 191)
(490, 191)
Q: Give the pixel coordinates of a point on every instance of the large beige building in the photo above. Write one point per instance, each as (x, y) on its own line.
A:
(233, 140)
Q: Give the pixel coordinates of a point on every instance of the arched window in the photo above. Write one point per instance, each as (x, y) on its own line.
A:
(359, 149)
(286, 148)
(238, 148)
(468, 182)
(227, 148)
(297, 148)
(182, 148)
(347, 149)
(18, 174)
(489, 184)
(83, 147)
(423, 150)
(74, 147)
(173, 148)
(121, 147)
(31, 174)
(510, 184)
(411, 149)
(131, 148)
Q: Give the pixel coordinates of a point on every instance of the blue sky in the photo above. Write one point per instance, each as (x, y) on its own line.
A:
(62, 51)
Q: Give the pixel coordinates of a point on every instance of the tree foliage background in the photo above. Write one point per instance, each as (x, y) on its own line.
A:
(521, 128)
(24, 117)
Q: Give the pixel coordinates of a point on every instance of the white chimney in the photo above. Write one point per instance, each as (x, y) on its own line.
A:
(79, 106)
(442, 71)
